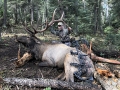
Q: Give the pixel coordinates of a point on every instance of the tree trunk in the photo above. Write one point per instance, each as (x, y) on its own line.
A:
(39, 82)
(16, 14)
(109, 84)
(1, 23)
(97, 17)
(0, 33)
(5, 13)
(32, 12)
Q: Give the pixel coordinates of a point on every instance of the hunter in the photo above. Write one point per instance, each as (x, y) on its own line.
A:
(63, 33)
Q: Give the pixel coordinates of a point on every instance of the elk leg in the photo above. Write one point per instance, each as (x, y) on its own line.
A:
(60, 76)
(69, 77)
(63, 78)
(69, 70)
(26, 57)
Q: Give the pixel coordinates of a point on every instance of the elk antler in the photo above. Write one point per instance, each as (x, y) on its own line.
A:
(35, 31)
(52, 21)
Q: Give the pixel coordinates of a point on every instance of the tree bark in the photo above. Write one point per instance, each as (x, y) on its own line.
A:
(108, 84)
(97, 17)
(16, 13)
(5, 13)
(32, 12)
(39, 82)
(107, 77)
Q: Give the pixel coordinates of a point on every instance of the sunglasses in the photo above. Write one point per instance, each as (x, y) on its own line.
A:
(59, 25)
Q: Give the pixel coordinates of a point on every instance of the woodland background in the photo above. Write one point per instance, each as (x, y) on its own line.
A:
(91, 19)
(86, 17)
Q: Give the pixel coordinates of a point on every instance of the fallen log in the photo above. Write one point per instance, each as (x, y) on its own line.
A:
(107, 53)
(106, 77)
(39, 82)
(109, 84)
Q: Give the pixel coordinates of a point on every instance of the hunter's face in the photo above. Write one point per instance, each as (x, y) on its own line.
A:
(60, 27)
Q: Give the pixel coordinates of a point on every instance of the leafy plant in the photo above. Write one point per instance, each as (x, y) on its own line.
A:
(108, 29)
(47, 88)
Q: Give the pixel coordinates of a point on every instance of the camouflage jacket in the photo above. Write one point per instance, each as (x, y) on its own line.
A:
(63, 34)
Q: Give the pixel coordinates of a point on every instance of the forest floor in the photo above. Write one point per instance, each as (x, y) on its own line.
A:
(8, 52)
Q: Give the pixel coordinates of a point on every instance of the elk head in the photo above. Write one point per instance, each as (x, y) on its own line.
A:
(28, 42)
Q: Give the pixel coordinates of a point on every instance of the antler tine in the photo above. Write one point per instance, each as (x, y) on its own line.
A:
(28, 30)
(51, 22)
(34, 28)
(35, 31)
(47, 26)
(53, 17)
(62, 15)
(62, 19)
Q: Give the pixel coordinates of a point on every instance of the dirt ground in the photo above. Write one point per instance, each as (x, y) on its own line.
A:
(8, 52)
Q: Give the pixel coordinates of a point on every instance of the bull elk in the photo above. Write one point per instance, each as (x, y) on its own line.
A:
(55, 55)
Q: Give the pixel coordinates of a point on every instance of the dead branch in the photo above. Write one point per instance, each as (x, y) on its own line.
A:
(96, 58)
(39, 82)
(105, 60)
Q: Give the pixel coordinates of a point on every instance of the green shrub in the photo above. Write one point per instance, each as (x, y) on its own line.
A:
(108, 29)
(47, 88)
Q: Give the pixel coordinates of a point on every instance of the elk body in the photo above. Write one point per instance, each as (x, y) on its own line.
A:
(54, 55)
